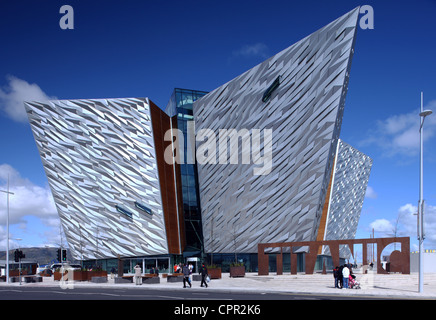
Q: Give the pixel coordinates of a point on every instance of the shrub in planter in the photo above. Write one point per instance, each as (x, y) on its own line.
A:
(57, 275)
(80, 275)
(98, 273)
(214, 272)
(237, 270)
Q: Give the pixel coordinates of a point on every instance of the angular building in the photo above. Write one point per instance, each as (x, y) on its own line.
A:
(299, 96)
(104, 160)
(259, 160)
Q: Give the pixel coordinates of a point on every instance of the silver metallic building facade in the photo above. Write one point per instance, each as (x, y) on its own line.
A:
(304, 112)
(100, 160)
(349, 183)
(348, 187)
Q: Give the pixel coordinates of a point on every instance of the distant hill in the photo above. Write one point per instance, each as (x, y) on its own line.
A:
(40, 255)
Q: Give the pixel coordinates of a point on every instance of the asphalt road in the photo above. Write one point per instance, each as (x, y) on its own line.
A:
(50, 293)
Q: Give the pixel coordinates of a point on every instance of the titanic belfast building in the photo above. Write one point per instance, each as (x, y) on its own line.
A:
(259, 159)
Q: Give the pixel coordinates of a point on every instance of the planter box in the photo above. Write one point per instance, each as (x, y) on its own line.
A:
(99, 279)
(57, 276)
(175, 278)
(96, 274)
(16, 273)
(237, 271)
(124, 279)
(80, 275)
(150, 280)
(32, 279)
(46, 273)
(214, 273)
(196, 277)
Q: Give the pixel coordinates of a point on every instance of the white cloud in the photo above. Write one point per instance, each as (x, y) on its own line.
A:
(409, 221)
(405, 225)
(399, 134)
(17, 91)
(253, 50)
(382, 225)
(28, 200)
(370, 193)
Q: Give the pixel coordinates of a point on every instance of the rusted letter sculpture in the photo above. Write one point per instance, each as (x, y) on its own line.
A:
(399, 260)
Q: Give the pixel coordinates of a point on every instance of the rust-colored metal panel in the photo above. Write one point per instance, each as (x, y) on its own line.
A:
(323, 221)
(179, 194)
(174, 223)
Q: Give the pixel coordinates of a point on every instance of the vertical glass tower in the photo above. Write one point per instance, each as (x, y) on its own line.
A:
(180, 105)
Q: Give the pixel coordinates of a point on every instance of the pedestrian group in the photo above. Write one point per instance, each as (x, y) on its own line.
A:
(343, 275)
(187, 271)
(178, 268)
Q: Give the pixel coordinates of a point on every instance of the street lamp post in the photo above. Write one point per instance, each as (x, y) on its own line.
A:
(421, 234)
(7, 228)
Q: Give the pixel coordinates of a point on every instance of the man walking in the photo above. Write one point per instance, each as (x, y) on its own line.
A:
(186, 274)
(345, 275)
(340, 277)
(203, 272)
(336, 276)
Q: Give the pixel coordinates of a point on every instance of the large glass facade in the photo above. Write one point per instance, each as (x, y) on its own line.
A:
(162, 263)
(180, 104)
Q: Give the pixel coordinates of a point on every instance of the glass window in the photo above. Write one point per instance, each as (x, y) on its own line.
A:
(149, 264)
(163, 265)
(133, 263)
(181, 125)
(124, 211)
(185, 192)
(179, 99)
(192, 196)
(184, 180)
(190, 169)
(190, 181)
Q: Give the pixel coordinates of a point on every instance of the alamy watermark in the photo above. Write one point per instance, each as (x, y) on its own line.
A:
(367, 20)
(221, 148)
(67, 20)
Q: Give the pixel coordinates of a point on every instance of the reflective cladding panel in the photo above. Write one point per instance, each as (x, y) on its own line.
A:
(304, 111)
(350, 180)
(99, 157)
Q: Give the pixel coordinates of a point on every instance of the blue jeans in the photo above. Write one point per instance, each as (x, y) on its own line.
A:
(345, 283)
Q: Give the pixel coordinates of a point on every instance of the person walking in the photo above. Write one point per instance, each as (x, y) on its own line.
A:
(138, 277)
(340, 277)
(336, 276)
(203, 272)
(186, 273)
(345, 275)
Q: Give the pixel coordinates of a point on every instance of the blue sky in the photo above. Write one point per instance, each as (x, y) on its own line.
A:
(147, 48)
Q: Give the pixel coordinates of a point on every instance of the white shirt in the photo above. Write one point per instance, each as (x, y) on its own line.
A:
(345, 272)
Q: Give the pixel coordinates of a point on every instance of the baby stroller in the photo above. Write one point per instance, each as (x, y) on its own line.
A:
(353, 283)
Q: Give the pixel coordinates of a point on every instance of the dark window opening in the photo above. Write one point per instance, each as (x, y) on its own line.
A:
(142, 207)
(124, 211)
(271, 89)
